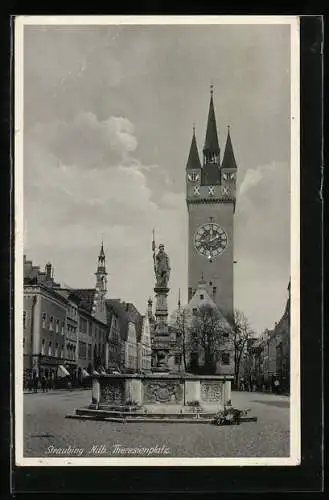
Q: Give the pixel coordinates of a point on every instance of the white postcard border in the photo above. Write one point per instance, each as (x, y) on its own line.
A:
(295, 421)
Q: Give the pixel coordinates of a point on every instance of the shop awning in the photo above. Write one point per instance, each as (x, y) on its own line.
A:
(62, 372)
(85, 373)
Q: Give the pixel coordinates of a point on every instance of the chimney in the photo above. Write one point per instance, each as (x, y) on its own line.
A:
(48, 270)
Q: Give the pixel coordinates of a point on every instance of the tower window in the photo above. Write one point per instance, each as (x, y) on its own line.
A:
(201, 296)
(214, 290)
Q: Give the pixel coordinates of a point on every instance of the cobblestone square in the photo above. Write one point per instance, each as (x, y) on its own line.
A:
(46, 429)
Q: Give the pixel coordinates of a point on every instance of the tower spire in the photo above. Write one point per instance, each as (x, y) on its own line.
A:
(229, 159)
(193, 161)
(211, 146)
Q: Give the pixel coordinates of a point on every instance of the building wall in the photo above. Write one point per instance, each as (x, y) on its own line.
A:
(44, 331)
(85, 341)
(144, 347)
(114, 345)
(219, 272)
(130, 349)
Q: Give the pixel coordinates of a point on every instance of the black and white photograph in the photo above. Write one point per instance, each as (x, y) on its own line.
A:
(157, 240)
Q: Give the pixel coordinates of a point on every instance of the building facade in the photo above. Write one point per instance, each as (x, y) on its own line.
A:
(267, 358)
(44, 331)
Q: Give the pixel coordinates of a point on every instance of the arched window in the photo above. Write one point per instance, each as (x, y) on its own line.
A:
(43, 347)
(50, 349)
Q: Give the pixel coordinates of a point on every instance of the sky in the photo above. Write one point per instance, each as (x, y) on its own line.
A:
(108, 116)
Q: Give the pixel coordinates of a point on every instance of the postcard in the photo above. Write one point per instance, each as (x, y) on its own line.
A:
(157, 241)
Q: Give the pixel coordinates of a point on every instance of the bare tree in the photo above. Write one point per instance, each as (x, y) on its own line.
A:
(241, 333)
(206, 335)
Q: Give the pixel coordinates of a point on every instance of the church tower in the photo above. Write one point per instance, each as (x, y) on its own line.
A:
(210, 198)
(99, 310)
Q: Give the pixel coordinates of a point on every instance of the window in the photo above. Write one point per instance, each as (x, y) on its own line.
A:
(178, 359)
(43, 347)
(226, 358)
(24, 319)
(23, 342)
(62, 352)
(189, 294)
(44, 317)
(56, 351)
(51, 323)
(210, 283)
(57, 325)
(50, 349)
(83, 325)
(82, 350)
(89, 351)
(201, 296)
(74, 352)
(63, 327)
(194, 310)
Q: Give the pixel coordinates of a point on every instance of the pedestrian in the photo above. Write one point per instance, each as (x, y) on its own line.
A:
(276, 386)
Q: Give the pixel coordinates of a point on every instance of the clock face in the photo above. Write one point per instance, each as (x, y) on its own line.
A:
(210, 240)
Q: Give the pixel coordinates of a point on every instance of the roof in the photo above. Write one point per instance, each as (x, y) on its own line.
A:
(211, 141)
(193, 161)
(86, 298)
(229, 159)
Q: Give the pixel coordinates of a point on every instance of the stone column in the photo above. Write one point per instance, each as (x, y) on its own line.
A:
(191, 391)
(107, 356)
(133, 390)
(96, 392)
(161, 332)
(227, 391)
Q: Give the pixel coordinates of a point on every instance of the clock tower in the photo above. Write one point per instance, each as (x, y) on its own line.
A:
(210, 198)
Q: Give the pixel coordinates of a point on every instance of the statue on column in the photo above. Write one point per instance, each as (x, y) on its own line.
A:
(161, 266)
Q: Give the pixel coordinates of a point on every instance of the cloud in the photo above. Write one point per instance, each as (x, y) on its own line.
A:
(87, 142)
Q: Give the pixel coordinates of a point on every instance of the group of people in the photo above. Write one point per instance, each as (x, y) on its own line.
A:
(33, 384)
(273, 385)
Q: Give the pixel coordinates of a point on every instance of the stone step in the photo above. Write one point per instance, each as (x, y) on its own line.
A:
(114, 416)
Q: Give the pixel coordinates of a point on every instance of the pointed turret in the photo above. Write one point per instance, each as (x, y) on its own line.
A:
(229, 159)
(101, 270)
(210, 175)
(211, 147)
(193, 161)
